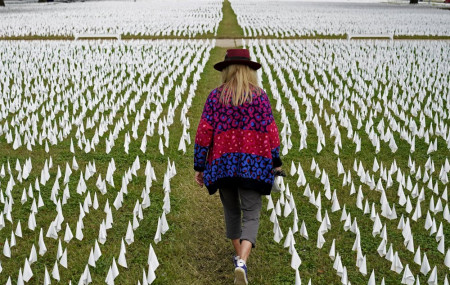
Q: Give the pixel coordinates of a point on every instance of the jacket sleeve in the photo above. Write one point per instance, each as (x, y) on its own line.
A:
(273, 134)
(203, 137)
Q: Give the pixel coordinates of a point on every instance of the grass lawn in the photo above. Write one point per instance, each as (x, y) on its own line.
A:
(195, 250)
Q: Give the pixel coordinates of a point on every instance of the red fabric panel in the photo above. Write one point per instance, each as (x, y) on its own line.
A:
(244, 141)
(204, 133)
(273, 134)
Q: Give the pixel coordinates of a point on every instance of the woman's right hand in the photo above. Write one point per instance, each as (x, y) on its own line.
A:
(199, 178)
(277, 171)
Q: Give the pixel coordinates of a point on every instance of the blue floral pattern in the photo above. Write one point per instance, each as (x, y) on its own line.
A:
(239, 165)
(242, 165)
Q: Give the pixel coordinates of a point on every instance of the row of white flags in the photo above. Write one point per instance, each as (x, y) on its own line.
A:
(324, 18)
(118, 94)
(144, 74)
(417, 183)
(286, 206)
(53, 229)
(136, 18)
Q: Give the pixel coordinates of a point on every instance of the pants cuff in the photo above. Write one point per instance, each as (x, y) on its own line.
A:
(253, 243)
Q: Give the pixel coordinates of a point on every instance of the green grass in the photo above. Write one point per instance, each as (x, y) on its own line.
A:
(431, 37)
(198, 250)
(316, 264)
(229, 27)
(78, 251)
(195, 250)
(230, 33)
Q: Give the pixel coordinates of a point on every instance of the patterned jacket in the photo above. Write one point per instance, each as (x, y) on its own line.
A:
(237, 145)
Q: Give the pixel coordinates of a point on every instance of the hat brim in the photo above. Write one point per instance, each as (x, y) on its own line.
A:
(252, 64)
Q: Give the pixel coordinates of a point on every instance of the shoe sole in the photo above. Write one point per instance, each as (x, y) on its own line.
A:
(239, 277)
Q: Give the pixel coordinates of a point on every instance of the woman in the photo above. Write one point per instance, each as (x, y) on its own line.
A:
(237, 151)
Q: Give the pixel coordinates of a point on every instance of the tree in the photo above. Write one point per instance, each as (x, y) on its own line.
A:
(2, 3)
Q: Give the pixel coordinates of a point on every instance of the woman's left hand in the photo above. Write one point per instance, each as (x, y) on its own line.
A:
(199, 178)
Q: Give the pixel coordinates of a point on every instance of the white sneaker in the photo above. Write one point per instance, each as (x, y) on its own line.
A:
(240, 273)
(235, 260)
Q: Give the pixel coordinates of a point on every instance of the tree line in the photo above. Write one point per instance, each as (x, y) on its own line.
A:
(2, 2)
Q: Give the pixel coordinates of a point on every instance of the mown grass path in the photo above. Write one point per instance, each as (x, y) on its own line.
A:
(229, 27)
(198, 252)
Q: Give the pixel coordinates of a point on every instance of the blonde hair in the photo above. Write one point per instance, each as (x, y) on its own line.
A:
(238, 83)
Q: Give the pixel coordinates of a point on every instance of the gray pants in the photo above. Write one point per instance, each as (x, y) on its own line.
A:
(247, 201)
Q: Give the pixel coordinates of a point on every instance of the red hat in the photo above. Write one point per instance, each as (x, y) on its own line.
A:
(237, 56)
